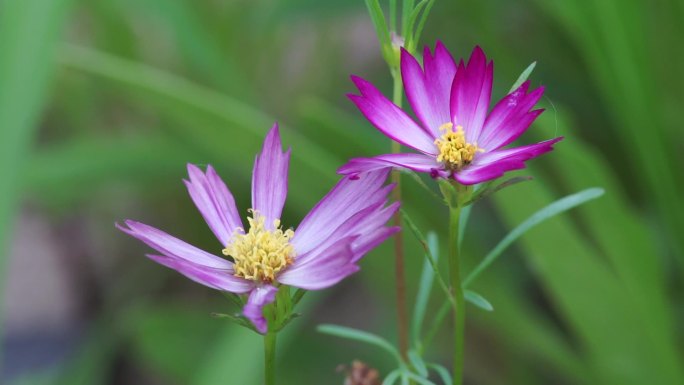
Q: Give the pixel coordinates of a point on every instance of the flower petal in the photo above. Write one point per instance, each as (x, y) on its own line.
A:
(415, 162)
(390, 119)
(428, 90)
(253, 310)
(510, 118)
(214, 201)
(328, 268)
(219, 279)
(269, 178)
(494, 164)
(471, 93)
(173, 247)
(349, 196)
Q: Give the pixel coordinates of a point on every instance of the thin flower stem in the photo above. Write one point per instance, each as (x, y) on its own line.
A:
(269, 357)
(455, 277)
(402, 310)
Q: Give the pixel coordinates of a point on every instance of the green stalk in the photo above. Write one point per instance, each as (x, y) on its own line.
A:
(402, 310)
(269, 357)
(455, 277)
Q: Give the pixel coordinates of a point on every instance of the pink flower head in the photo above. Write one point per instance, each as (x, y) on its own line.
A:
(457, 136)
(325, 248)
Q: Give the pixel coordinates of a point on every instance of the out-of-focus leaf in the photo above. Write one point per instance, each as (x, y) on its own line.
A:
(418, 363)
(443, 373)
(360, 335)
(392, 377)
(523, 76)
(478, 300)
(424, 288)
(547, 212)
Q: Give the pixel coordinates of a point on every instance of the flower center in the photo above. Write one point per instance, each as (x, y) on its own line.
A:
(454, 151)
(260, 253)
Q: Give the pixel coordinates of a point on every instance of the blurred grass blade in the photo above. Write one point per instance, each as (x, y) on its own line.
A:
(418, 379)
(29, 30)
(555, 208)
(478, 300)
(417, 363)
(523, 76)
(380, 25)
(392, 377)
(415, 35)
(428, 254)
(360, 335)
(424, 288)
(442, 372)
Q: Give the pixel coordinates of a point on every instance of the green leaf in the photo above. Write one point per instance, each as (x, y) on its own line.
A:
(490, 188)
(359, 335)
(478, 300)
(421, 24)
(424, 287)
(555, 208)
(418, 379)
(428, 254)
(408, 29)
(523, 76)
(443, 373)
(378, 19)
(417, 363)
(235, 318)
(421, 183)
(392, 377)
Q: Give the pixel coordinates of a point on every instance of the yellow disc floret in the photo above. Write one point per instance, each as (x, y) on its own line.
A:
(454, 151)
(260, 253)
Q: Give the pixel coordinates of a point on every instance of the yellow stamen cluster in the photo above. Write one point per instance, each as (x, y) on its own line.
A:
(454, 151)
(260, 253)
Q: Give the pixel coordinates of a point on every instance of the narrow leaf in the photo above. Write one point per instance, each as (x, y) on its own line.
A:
(442, 372)
(428, 255)
(555, 208)
(378, 19)
(418, 379)
(424, 288)
(421, 24)
(359, 335)
(417, 363)
(478, 300)
(392, 377)
(523, 76)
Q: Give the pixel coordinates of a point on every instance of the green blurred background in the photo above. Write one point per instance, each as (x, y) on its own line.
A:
(103, 102)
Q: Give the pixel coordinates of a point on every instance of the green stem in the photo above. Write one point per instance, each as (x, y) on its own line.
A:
(269, 357)
(455, 277)
(402, 310)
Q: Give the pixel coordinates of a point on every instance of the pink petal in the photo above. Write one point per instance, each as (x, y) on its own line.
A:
(253, 310)
(390, 119)
(328, 268)
(494, 164)
(219, 279)
(214, 201)
(349, 196)
(471, 94)
(510, 118)
(415, 162)
(428, 91)
(172, 247)
(269, 178)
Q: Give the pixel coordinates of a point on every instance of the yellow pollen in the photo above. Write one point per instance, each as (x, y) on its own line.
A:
(260, 253)
(454, 151)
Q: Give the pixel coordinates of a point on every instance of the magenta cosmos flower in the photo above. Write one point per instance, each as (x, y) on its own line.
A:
(457, 136)
(347, 223)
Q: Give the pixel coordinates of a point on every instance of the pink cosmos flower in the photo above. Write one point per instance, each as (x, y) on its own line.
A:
(457, 136)
(325, 248)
